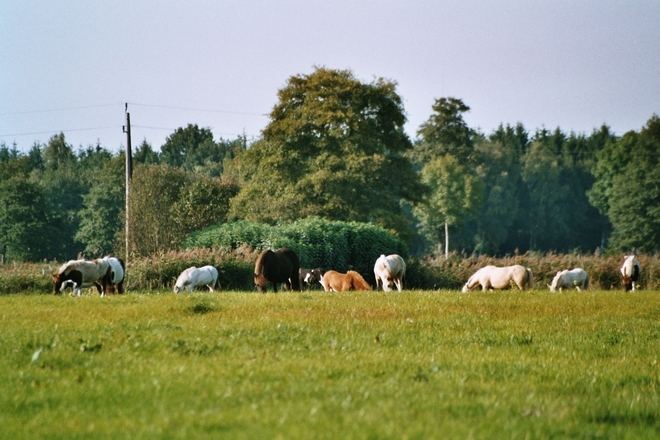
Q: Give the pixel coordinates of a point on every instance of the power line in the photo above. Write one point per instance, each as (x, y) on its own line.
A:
(60, 109)
(198, 109)
(59, 131)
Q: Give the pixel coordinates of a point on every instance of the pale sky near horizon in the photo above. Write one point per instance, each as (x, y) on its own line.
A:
(69, 66)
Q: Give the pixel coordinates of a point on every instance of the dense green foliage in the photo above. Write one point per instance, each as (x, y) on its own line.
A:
(318, 242)
(314, 365)
(335, 149)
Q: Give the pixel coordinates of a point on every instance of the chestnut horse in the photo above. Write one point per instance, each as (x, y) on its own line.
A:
(341, 282)
(280, 266)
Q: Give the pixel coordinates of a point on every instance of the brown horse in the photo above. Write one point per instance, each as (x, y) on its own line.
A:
(341, 282)
(276, 267)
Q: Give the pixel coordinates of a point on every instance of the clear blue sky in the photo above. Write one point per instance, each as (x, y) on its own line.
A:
(70, 65)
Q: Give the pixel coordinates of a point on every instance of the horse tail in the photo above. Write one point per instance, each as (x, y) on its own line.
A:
(586, 282)
(530, 278)
(357, 282)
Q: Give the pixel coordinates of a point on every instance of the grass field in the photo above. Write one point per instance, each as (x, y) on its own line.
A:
(417, 364)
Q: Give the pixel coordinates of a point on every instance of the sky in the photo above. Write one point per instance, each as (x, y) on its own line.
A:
(71, 66)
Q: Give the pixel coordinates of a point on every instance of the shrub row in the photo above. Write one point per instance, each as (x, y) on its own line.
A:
(452, 273)
(235, 270)
(319, 243)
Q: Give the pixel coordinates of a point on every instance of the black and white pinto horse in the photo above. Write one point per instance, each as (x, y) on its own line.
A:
(81, 274)
(309, 277)
(115, 275)
(630, 272)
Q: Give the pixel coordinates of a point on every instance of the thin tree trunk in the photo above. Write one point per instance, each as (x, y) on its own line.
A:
(446, 241)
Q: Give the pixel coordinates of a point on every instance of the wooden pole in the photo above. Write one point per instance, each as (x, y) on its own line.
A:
(129, 175)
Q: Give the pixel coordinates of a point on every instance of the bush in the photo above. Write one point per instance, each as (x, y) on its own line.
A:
(26, 277)
(319, 243)
(235, 268)
(603, 272)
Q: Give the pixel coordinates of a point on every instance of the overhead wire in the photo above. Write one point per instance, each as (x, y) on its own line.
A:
(117, 126)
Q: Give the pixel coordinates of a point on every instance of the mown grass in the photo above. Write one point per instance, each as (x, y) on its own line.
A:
(417, 364)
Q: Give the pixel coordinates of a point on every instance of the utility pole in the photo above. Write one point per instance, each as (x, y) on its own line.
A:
(129, 174)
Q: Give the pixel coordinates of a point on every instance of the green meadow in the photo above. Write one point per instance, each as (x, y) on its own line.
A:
(374, 365)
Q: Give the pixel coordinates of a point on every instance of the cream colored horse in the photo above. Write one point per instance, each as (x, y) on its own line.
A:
(491, 277)
(567, 279)
(191, 277)
(390, 270)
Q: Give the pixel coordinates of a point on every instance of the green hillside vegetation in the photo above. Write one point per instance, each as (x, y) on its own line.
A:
(335, 150)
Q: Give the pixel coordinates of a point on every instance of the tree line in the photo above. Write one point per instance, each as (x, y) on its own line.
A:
(335, 148)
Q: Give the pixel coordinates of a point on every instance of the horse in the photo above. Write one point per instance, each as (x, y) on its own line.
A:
(193, 276)
(280, 266)
(309, 276)
(388, 270)
(491, 277)
(630, 272)
(115, 275)
(566, 279)
(341, 282)
(81, 273)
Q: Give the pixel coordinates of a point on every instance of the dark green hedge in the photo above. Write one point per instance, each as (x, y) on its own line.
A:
(319, 243)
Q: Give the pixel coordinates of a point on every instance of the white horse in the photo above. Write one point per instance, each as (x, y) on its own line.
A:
(388, 270)
(566, 279)
(491, 277)
(191, 277)
(630, 272)
(81, 274)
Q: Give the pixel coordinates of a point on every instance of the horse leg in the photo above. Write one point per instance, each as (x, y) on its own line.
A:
(99, 289)
(397, 281)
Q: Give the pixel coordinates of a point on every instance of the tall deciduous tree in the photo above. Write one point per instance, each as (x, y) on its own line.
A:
(455, 193)
(445, 132)
(335, 149)
(167, 203)
(100, 221)
(628, 188)
(27, 224)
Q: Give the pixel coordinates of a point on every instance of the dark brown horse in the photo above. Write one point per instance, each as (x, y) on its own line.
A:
(276, 267)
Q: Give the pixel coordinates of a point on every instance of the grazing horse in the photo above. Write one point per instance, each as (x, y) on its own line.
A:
(630, 272)
(491, 277)
(390, 270)
(341, 282)
(566, 279)
(309, 276)
(81, 273)
(191, 277)
(115, 275)
(280, 266)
